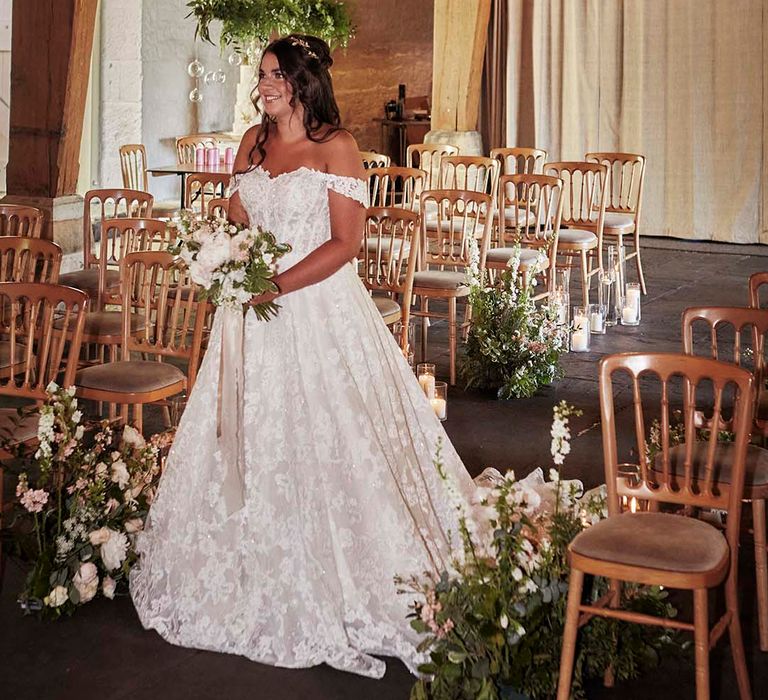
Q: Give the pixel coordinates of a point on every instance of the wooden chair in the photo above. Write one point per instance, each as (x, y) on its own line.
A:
(475, 173)
(133, 166)
(29, 260)
(520, 161)
(427, 157)
(173, 328)
(463, 220)
(202, 187)
(719, 344)
(585, 189)
(529, 210)
(371, 159)
(395, 186)
(19, 220)
(756, 282)
(34, 354)
(186, 146)
(662, 548)
(94, 279)
(218, 206)
(626, 173)
(387, 262)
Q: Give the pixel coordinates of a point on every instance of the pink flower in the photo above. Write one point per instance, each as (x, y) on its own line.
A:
(34, 500)
(445, 629)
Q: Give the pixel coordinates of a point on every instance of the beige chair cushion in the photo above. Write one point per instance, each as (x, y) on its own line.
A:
(134, 377)
(17, 430)
(388, 308)
(756, 464)
(430, 221)
(577, 238)
(165, 208)
(109, 324)
(440, 279)
(527, 218)
(659, 541)
(528, 257)
(88, 280)
(372, 245)
(617, 220)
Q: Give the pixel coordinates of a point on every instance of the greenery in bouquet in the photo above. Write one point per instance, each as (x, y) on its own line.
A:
(248, 22)
(230, 263)
(80, 501)
(493, 625)
(513, 346)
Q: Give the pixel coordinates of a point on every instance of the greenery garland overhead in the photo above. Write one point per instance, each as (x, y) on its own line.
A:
(245, 22)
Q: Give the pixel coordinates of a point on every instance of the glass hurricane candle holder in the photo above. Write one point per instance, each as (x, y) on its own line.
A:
(560, 304)
(440, 400)
(596, 318)
(630, 311)
(580, 331)
(425, 372)
(629, 477)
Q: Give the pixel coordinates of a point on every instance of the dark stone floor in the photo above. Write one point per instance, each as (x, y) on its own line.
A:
(104, 651)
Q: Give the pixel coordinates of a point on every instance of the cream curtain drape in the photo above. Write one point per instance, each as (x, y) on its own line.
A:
(681, 81)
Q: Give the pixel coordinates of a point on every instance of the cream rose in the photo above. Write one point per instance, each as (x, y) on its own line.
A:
(57, 597)
(108, 587)
(114, 549)
(120, 473)
(86, 581)
(133, 437)
(134, 525)
(99, 536)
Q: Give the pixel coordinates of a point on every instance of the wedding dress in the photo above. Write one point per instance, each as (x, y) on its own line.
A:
(340, 492)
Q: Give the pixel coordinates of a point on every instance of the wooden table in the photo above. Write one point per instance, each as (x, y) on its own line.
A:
(184, 169)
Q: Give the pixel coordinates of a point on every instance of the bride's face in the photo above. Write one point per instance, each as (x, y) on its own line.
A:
(274, 88)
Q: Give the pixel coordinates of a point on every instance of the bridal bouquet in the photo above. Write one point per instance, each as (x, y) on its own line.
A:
(79, 505)
(231, 263)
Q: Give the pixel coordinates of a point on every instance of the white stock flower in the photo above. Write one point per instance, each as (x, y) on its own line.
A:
(114, 549)
(86, 581)
(76, 416)
(120, 474)
(108, 587)
(52, 388)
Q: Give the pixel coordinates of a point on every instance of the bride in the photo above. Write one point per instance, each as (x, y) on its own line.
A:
(339, 492)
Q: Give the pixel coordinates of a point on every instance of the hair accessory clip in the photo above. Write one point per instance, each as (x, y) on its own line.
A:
(304, 45)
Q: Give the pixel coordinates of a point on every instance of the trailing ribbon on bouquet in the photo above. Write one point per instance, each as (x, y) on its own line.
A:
(229, 429)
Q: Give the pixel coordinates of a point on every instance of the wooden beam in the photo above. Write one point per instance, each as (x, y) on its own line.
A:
(460, 34)
(50, 62)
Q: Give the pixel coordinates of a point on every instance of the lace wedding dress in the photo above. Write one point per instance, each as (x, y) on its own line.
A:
(340, 493)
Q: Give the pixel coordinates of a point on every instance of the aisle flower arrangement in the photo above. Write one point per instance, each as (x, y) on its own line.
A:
(493, 625)
(229, 262)
(79, 506)
(513, 346)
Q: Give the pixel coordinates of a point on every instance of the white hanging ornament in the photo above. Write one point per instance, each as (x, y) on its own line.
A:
(220, 76)
(235, 59)
(210, 77)
(195, 68)
(195, 95)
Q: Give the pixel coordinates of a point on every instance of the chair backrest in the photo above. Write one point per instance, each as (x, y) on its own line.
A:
(756, 281)
(187, 145)
(475, 173)
(218, 206)
(42, 330)
(520, 161)
(427, 157)
(451, 222)
(21, 220)
(529, 212)
(585, 192)
(133, 166)
(725, 327)
(204, 186)
(626, 173)
(155, 286)
(29, 260)
(371, 159)
(109, 204)
(692, 484)
(395, 186)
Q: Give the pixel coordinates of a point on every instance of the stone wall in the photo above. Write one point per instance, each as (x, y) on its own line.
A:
(393, 45)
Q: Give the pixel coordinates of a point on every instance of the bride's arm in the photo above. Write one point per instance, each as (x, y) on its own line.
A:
(347, 221)
(235, 210)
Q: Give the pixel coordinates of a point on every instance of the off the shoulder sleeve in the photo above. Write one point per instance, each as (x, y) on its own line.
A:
(234, 183)
(350, 187)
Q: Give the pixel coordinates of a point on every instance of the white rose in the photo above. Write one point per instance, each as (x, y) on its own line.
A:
(134, 525)
(101, 469)
(133, 437)
(57, 597)
(114, 549)
(86, 581)
(99, 536)
(76, 416)
(108, 587)
(120, 473)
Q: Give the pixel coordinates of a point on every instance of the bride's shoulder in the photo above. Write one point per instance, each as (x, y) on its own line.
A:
(342, 156)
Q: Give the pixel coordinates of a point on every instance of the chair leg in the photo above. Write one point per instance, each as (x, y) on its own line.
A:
(614, 586)
(701, 642)
(735, 634)
(639, 264)
(570, 630)
(452, 336)
(585, 278)
(761, 570)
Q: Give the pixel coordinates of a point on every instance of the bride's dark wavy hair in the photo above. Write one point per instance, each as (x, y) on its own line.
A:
(304, 61)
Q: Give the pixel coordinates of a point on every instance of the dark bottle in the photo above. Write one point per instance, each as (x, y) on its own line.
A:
(401, 101)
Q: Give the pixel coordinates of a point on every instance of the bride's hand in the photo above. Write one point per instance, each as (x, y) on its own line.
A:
(263, 298)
